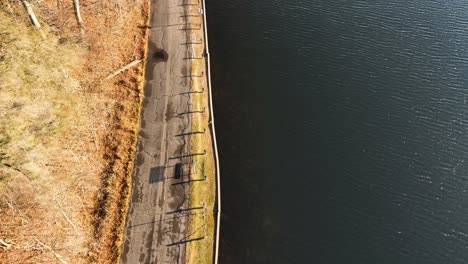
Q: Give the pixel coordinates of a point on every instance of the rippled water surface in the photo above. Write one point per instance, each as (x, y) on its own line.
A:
(342, 128)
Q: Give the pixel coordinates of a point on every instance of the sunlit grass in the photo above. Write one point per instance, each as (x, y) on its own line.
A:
(38, 96)
(202, 193)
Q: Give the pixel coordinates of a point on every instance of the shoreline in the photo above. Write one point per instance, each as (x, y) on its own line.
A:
(213, 137)
(172, 149)
(205, 121)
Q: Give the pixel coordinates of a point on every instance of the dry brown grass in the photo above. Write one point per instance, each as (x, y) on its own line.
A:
(68, 135)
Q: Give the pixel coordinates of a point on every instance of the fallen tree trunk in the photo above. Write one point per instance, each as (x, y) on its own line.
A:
(68, 219)
(59, 257)
(126, 67)
(5, 244)
(76, 4)
(31, 14)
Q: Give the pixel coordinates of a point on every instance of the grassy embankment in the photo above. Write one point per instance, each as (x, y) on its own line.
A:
(202, 192)
(67, 134)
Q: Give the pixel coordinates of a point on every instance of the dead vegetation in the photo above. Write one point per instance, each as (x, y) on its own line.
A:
(67, 134)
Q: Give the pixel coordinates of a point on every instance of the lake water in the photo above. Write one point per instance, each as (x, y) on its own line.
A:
(343, 130)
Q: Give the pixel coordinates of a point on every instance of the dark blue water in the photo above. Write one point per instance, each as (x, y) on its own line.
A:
(342, 128)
